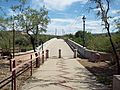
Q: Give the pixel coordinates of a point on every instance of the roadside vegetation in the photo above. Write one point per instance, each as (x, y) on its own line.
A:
(97, 42)
(22, 40)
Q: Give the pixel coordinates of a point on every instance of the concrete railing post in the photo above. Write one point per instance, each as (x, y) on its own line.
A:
(59, 53)
(75, 53)
(31, 65)
(37, 60)
(47, 54)
(116, 82)
(42, 57)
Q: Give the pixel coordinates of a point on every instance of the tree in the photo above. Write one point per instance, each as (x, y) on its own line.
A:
(3, 21)
(79, 35)
(4, 36)
(117, 22)
(103, 7)
(34, 22)
(31, 21)
(4, 39)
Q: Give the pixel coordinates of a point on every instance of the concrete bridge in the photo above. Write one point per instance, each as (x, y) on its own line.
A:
(64, 73)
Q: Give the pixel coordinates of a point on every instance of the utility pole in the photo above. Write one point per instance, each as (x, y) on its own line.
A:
(63, 32)
(83, 30)
(13, 38)
(55, 32)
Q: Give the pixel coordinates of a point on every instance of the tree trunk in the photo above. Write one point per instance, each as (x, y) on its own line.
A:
(31, 39)
(36, 54)
(114, 50)
(33, 43)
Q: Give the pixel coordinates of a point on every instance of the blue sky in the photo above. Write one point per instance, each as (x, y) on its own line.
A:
(66, 15)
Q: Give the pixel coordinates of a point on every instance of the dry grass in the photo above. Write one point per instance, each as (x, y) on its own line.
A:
(102, 70)
(5, 70)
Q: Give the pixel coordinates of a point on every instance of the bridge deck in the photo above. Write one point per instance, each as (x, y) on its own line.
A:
(64, 73)
(57, 44)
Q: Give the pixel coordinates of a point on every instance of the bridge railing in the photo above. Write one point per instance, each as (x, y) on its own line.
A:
(17, 71)
(89, 54)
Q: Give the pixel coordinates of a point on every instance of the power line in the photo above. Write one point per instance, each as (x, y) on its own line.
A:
(77, 18)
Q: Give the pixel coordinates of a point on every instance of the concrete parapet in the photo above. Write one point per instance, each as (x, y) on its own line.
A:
(75, 53)
(89, 54)
(116, 82)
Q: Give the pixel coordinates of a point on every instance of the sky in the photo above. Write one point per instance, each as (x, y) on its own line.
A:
(66, 15)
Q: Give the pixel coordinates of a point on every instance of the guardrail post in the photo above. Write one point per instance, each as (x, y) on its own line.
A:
(47, 54)
(14, 77)
(31, 65)
(75, 53)
(59, 53)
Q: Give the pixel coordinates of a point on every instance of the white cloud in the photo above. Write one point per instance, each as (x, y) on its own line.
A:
(56, 4)
(11, 13)
(115, 18)
(36, 3)
(115, 11)
(62, 20)
(71, 26)
(96, 9)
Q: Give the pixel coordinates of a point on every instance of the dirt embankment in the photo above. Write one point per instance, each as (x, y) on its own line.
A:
(102, 70)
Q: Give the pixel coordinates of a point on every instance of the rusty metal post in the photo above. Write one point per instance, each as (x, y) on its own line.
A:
(47, 54)
(42, 57)
(14, 87)
(75, 53)
(59, 53)
(31, 65)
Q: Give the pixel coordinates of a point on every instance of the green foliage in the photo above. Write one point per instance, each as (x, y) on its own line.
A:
(3, 23)
(104, 79)
(98, 42)
(43, 38)
(4, 39)
(69, 36)
(31, 21)
(117, 22)
(34, 22)
(79, 34)
(79, 37)
(116, 39)
(22, 40)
